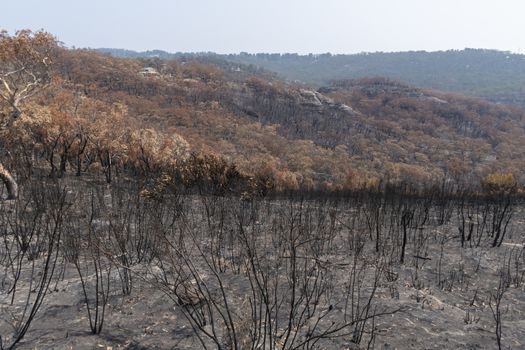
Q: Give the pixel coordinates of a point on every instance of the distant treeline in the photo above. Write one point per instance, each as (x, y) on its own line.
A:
(498, 76)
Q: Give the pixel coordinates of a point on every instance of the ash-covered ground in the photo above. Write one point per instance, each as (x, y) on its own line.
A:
(195, 272)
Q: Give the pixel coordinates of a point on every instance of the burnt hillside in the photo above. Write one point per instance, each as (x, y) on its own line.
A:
(375, 127)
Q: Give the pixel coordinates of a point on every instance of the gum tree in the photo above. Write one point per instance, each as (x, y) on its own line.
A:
(25, 59)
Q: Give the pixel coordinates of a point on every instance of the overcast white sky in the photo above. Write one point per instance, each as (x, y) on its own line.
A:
(303, 26)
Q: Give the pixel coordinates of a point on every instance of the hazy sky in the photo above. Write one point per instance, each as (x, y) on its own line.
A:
(304, 26)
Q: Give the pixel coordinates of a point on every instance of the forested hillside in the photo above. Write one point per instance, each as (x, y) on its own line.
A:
(101, 113)
(494, 75)
(369, 128)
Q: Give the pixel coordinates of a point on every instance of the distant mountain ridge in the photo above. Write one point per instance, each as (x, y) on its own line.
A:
(497, 76)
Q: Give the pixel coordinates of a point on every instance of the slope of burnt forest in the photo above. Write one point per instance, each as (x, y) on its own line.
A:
(371, 128)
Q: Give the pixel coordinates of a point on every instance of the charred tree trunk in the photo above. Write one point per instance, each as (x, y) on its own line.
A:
(108, 173)
(10, 183)
(406, 219)
(80, 152)
(79, 166)
(63, 165)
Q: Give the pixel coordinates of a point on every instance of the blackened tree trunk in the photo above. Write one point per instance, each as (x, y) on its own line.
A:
(406, 219)
(80, 152)
(10, 183)
(63, 165)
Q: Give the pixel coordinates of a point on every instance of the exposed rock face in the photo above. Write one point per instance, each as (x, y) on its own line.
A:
(309, 97)
(434, 99)
(149, 71)
(322, 102)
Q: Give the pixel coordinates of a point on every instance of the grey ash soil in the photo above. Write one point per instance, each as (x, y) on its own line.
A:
(443, 303)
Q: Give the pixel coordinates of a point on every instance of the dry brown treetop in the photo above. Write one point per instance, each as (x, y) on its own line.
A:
(25, 66)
